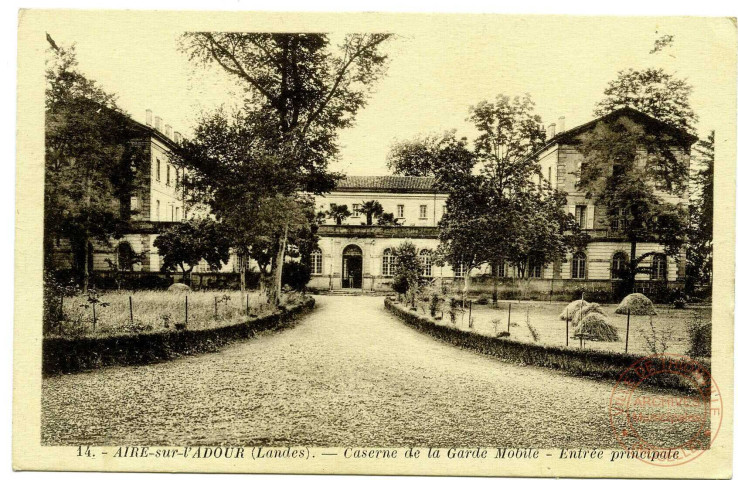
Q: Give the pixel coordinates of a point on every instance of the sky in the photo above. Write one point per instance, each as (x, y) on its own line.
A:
(439, 66)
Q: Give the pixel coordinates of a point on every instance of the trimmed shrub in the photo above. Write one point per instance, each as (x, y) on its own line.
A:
(568, 312)
(179, 287)
(699, 333)
(637, 303)
(594, 327)
(586, 310)
(482, 301)
(296, 275)
(434, 302)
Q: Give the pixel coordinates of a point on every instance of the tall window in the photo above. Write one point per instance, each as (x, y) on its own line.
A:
(168, 175)
(658, 267)
(356, 210)
(536, 271)
(498, 270)
(158, 209)
(424, 211)
(177, 214)
(158, 170)
(579, 266)
(388, 263)
(459, 270)
(549, 175)
(617, 219)
(316, 262)
(426, 266)
(401, 211)
(176, 178)
(619, 261)
(580, 213)
(172, 207)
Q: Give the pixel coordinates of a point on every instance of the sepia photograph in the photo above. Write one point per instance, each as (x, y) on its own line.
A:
(347, 243)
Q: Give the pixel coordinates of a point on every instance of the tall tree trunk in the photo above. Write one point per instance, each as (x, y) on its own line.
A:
(494, 290)
(467, 283)
(86, 272)
(86, 263)
(242, 259)
(278, 271)
(633, 266)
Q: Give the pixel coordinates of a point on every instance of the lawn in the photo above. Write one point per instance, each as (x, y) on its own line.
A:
(670, 324)
(155, 311)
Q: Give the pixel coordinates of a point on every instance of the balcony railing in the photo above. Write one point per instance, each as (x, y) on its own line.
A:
(377, 231)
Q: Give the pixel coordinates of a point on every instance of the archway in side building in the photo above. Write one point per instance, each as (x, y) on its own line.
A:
(352, 267)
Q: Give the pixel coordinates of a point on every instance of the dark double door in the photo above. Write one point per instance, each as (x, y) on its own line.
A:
(352, 270)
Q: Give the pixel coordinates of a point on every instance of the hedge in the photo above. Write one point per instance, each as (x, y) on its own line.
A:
(70, 355)
(578, 362)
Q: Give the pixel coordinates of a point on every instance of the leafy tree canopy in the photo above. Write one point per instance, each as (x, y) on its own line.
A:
(89, 159)
(184, 245)
(651, 91)
(442, 156)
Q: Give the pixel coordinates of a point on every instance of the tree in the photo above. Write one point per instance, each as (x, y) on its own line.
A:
(699, 250)
(442, 156)
(371, 208)
(626, 176)
(653, 92)
(408, 268)
(544, 234)
(184, 245)
(509, 133)
(534, 226)
(387, 219)
(89, 160)
(300, 92)
(338, 213)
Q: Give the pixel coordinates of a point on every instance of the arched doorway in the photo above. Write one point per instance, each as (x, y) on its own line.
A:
(352, 267)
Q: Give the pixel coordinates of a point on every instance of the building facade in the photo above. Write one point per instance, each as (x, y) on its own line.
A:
(355, 255)
(358, 256)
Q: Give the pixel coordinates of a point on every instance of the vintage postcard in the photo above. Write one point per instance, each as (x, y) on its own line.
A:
(412, 244)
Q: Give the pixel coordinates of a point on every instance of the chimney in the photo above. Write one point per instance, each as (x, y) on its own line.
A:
(157, 123)
(148, 116)
(168, 131)
(562, 125)
(551, 131)
(177, 137)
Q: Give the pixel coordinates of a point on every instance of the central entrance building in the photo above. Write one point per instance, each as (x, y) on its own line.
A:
(352, 267)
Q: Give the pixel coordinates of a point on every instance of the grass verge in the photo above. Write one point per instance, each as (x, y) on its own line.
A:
(578, 362)
(70, 355)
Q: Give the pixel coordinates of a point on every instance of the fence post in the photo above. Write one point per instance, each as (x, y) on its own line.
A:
(94, 317)
(186, 312)
(247, 304)
(470, 316)
(216, 307)
(567, 326)
(627, 331)
(509, 309)
(130, 307)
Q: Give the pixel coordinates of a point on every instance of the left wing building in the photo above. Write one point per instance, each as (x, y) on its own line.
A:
(155, 202)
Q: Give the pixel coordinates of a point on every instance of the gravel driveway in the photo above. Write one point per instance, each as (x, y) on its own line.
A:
(348, 374)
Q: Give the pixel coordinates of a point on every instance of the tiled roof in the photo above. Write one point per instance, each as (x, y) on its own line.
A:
(387, 183)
